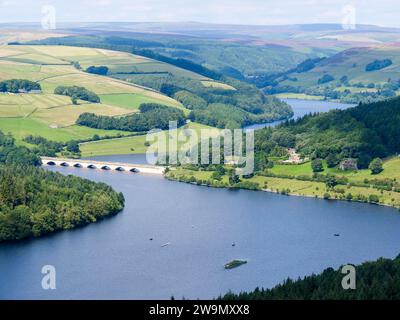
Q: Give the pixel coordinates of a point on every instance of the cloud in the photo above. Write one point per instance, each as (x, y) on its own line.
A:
(223, 11)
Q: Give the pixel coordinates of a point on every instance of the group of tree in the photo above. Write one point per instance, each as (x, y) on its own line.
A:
(76, 93)
(151, 116)
(18, 86)
(12, 154)
(377, 280)
(34, 201)
(45, 147)
(364, 133)
(101, 70)
(325, 79)
(378, 65)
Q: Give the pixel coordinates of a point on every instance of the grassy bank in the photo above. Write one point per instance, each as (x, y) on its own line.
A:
(361, 186)
(128, 145)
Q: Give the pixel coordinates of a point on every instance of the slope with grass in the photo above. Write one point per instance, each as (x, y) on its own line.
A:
(179, 76)
(130, 145)
(348, 75)
(54, 116)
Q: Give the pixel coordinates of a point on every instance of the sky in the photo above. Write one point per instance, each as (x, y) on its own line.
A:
(259, 12)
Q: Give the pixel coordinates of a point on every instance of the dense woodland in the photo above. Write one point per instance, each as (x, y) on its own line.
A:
(34, 202)
(45, 147)
(151, 116)
(19, 85)
(364, 133)
(378, 280)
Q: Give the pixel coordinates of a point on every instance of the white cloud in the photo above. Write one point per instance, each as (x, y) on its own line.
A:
(383, 12)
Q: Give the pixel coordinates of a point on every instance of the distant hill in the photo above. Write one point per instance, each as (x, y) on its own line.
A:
(363, 71)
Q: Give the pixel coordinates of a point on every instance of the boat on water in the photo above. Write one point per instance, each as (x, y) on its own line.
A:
(165, 244)
(234, 264)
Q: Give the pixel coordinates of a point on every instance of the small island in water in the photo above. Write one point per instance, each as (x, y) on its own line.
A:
(234, 264)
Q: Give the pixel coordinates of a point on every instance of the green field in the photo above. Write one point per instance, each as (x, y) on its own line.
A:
(133, 101)
(312, 188)
(22, 127)
(391, 171)
(217, 85)
(53, 116)
(300, 96)
(128, 145)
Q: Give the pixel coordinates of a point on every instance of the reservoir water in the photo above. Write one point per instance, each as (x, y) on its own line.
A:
(304, 107)
(279, 236)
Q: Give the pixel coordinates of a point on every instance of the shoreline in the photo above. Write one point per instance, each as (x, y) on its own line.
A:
(279, 193)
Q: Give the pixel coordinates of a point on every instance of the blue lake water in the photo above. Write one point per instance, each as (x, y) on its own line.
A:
(304, 107)
(280, 236)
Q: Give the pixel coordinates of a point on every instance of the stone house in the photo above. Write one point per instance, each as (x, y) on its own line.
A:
(348, 164)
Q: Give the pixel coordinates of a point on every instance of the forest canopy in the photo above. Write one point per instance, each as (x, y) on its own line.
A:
(34, 202)
(377, 280)
(152, 116)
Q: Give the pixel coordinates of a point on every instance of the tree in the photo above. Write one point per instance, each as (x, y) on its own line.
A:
(233, 178)
(331, 181)
(376, 166)
(73, 146)
(74, 100)
(325, 79)
(317, 165)
(332, 160)
(101, 70)
(216, 176)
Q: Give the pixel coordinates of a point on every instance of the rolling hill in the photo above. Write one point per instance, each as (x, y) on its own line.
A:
(352, 63)
(356, 71)
(53, 116)
(126, 81)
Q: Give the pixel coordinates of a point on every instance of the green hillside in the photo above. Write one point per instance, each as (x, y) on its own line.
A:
(53, 116)
(353, 75)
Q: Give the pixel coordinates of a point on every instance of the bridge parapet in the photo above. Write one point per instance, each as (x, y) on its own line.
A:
(103, 165)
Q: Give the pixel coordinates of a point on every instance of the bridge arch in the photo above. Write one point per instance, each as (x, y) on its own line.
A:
(77, 165)
(105, 168)
(91, 166)
(64, 164)
(50, 163)
(120, 169)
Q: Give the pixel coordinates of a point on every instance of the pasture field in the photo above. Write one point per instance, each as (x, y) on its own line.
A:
(13, 111)
(351, 63)
(297, 187)
(391, 171)
(300, 96)
(22, 127)
(53, 116)
(217, 85)
(67, 115)
(128, 145)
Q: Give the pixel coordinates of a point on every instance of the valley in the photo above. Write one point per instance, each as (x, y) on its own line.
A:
(324, 191)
